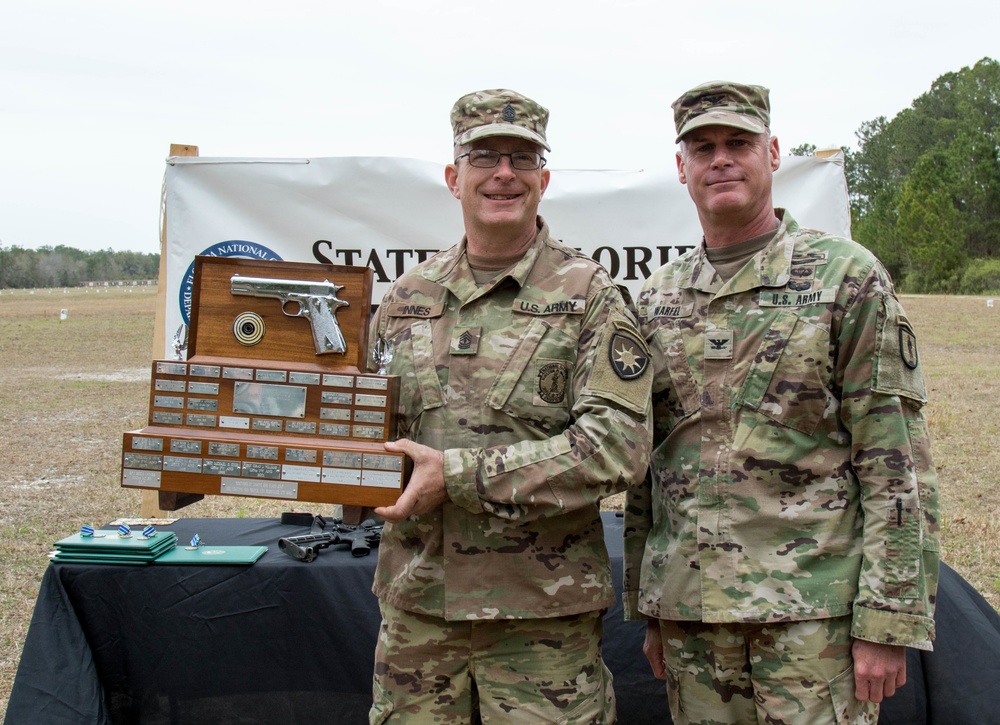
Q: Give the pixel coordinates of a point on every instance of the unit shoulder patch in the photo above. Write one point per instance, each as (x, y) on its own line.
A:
(628, 354)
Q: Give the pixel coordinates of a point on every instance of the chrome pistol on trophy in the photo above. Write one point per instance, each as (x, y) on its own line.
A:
(317, 301)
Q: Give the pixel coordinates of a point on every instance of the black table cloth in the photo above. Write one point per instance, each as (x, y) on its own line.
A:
(289, 642)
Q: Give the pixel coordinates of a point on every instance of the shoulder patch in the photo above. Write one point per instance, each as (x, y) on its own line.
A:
(621, 366)
(628, 354)
(897, 362)
(908, 344)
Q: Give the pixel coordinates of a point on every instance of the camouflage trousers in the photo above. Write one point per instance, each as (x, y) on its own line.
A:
(428, 670)
(790, 673)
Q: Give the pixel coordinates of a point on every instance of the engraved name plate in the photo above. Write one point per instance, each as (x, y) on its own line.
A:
(237, 373)
(168, 401)
(275, 489)
(369, 416)
(342, 459)
(288, 401)
(147, 444)
(203, 388)
(335, 413)
(182, 446)
(168, 368)
(304, 378)
(261, 470)
(382, 462)
(269, 424)
(300, 426)
(345, 476)
(224, 449)
(368, 431)
(337, 398)
(338, 381)
(372, 401)
(381, 479)
(145, 479)
(147, 461)
(339, 430)
(310, 474)
(218, 467)
(205, 371)
(202, 421)
(268, 453)
(372, 383)
(203, 404)
(185, 465)
(160, 416)
(300, 455)
(169, 386)
(272, 376)
(232, 421)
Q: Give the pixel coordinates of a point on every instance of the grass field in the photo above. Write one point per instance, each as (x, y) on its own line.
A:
(69, 388)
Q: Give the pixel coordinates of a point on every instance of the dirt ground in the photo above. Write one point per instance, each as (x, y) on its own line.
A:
(70, 387)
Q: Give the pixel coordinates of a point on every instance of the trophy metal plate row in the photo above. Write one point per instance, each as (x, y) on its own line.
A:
(273, 400)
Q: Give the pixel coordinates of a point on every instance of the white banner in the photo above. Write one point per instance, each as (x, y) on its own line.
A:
(391, 213)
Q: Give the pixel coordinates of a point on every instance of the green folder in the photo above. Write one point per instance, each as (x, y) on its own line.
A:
(211, 555)
(112, 549)
(111, 542)
(79, 558)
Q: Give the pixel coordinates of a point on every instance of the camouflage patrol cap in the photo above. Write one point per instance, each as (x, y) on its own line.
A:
(721, 103)
(498, 112)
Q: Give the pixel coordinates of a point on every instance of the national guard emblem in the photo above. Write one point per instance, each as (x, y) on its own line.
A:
(628, 356)
(908, 346)
(552, 379)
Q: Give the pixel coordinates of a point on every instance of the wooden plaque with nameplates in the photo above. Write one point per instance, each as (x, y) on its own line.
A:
(273, 400)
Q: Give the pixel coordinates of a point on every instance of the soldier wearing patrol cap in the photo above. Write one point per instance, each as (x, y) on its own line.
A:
(524, 402)
(785, 552)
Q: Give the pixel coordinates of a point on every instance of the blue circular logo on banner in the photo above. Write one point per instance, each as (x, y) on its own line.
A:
(230, 248)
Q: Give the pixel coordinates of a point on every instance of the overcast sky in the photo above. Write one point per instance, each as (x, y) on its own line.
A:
(92, 93)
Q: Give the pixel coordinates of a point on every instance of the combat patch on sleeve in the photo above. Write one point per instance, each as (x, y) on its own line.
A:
(621, 366)
(908, 345)
(897, 362)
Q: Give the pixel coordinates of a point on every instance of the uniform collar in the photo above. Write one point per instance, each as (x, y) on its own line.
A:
(451, 268)
(770, 267)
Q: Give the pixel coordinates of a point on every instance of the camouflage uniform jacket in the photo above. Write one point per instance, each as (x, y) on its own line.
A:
(791, 469)
(516, 382)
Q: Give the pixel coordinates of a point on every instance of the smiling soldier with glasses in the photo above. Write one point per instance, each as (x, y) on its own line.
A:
(488, 158)
(524, 398)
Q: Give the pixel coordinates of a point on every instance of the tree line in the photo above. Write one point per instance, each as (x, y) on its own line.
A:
(925, 186)
(64, 266)
(924, 190)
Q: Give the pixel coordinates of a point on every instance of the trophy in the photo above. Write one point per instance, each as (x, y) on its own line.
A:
(273, 400)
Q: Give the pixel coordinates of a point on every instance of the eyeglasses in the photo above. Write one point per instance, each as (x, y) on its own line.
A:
(488, 158)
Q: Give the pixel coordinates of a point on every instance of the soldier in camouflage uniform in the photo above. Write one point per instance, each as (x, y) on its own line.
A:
(785, 551)
(524, 402)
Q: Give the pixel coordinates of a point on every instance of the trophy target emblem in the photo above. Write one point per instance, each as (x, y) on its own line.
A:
(248, 327)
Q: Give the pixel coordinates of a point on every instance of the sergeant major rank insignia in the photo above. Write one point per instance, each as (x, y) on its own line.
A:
(628, 356)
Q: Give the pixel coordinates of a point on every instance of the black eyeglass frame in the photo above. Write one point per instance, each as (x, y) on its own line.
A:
(497, 155)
